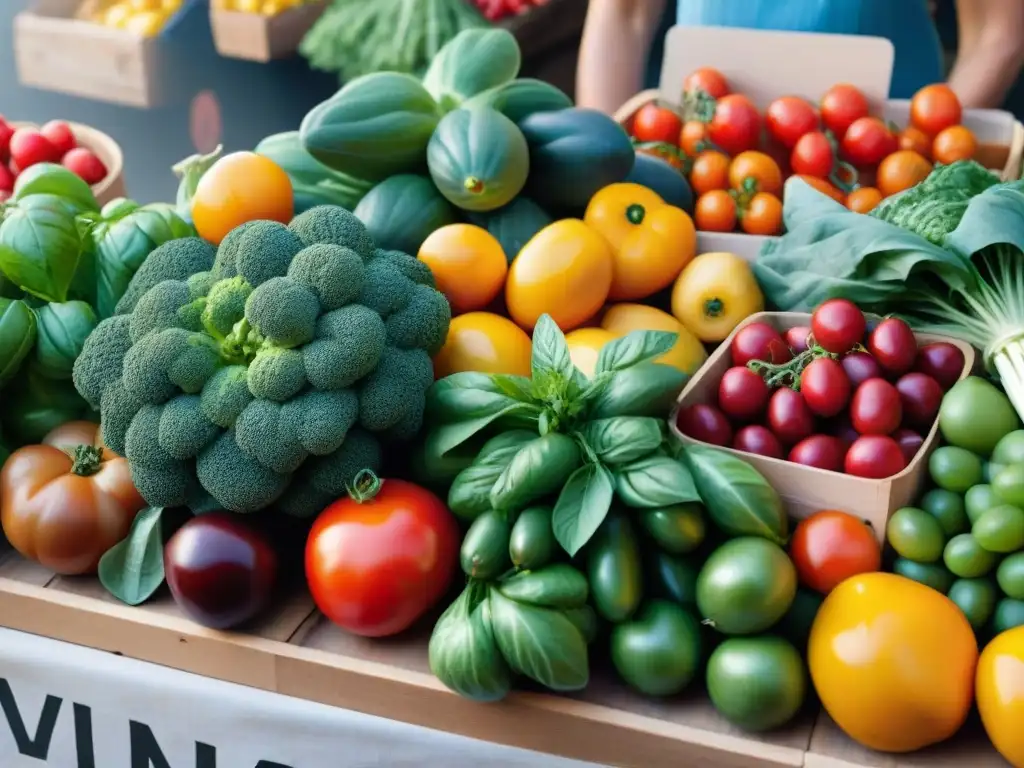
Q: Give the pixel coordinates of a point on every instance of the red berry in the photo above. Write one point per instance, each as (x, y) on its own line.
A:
(59, 133)
(83, 162)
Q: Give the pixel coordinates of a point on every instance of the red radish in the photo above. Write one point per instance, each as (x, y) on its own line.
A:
(6, 180)
(60, 135)
(6, 132)
(83, 162)
(796, 338)
(706, 423)
(29, 146)
(759, 440)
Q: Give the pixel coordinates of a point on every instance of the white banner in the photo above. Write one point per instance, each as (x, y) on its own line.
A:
(66, 706)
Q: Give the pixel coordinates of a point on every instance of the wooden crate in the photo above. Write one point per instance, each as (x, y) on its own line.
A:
(294, 651)
(255, 37)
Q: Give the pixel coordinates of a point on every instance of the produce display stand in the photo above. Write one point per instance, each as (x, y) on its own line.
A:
(756, 62)
(255, 37)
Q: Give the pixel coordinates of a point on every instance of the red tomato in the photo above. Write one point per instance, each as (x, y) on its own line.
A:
(825, 387)
(893, 345)
(840, 106)
(736, 126)
(709, 80)
(715, 211)
(788, 118)
(941, 360)
(6, 180)
(789, 417)
(838, 326)
(867, 141)
(813, 155)
(693, 137)
(29, 147)
(909, 442)
(705, 423)
(758, 440)
(875, 457)
(796, 338)
(379, 560)
(831, 546)
(85, 165)
(654, 123)
(843, 429)
(859, 367)
(920, 396)
(759, 341)
(6, 132)
(934, 108)
(742, 394)
(875, 408)
(821, 451)
(60, 135)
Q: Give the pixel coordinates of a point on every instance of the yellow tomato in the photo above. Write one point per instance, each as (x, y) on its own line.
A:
(139, 6)
(146, 23)
(565, 270)
(893, 662)
(687, 355)
(468, 263)
(713, 293)
(651, 241)
(481, 341)
(999, 688)
(116, 16)
(585, 344)
(238, 188)
(247, 6)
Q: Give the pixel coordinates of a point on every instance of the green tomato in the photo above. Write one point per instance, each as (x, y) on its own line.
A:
(1010, 576)
(658, 651)
(966, 558)
(976, 415)
(1010, 449)
(1001, 529)
(1009, 614)
(955, 469)
(915, 535)
(795, 626)
(976, 598)
(934, 575)
(1008, 484)
(948, 508)
(979, 500)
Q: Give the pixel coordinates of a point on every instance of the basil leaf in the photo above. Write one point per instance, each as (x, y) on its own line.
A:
(17, 335)
(39, 251)
(62, 329)
(582, 506)
(53, 179)
(35, 404)
(645, 389)
(540, 643)
(117, 208)
(515, 415)
(555, 586)
(541, 467)
(470, 494)
(633, 348)
(519, 387)
(133, 569)
(550, 352)
(622, 439)
(654, 481)
(466, 395)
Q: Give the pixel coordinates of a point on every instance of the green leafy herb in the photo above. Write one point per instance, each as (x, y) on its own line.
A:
(62, 329)
(470, 493)
(133, 569)
(39, 251)
(645, 389)
(654, 481)
(53, 179)
(582, 506)
(554, 586)
(539, 468)
(633, 348)
(17, 336)
(622, 439)
(464, 404)
(34, 404)
(550, 351)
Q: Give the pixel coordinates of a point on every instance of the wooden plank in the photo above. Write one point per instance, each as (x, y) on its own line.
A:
(14, 566)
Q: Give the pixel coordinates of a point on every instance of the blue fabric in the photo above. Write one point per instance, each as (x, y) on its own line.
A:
(907, 23)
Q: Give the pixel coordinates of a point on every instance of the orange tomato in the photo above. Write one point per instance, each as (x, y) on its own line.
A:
(822, 186)
(585, 345)
(651, 241)
(999, 686)
(693, 137)
(710, 171)
(893, 662)
(863, 199)
(917, 140)
(687, 354)
(485, 342)
(763, 215)
(758, 167)
(240, 187)
(934, 108)
(901, 170)
(715, 212)
(831, 546)
(954, 143)
(565, 270)
(468, 264)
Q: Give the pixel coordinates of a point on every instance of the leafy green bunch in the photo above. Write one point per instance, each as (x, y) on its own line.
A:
(268, 371)
(64, 264)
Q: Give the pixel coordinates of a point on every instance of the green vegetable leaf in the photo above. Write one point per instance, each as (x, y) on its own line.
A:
(654, 481)
(555, 586)
(463, 404)
(645, 389)
(17, 336)
(540, 643)
(518, 387)
(582, 506)
(34, 404)
(550, 352)
(62, 329)
(622, 439)
(133, 569)
(39, 251)
(470, 493)
(633, 348)
(53, 179)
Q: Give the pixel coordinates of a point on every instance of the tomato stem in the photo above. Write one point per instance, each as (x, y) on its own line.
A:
(713, 307)
(365, 486)
(635, 213)
(787, 374)
(86, 460)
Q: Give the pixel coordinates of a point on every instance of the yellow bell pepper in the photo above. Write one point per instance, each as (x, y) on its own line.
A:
(713, 293)
(651, 241)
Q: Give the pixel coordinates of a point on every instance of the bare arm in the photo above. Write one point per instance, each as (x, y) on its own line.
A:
(990, 50)
(616, 41)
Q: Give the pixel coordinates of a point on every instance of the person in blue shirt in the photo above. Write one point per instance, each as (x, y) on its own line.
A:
(620, 50)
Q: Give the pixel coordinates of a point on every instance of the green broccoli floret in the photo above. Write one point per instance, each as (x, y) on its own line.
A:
(320, 421)
(238, 482)
(423, 323)
(158, 308)
(401, 378)
(102, 356)
(195, 362)
(385, 289)
(259, 434)
(225, 395)
(321, 480)
(227, 252)
(225, 305)
(409, 427)
(349, 342)
(145, 369)
(265, 251)
(200, 283)
(283, 312)
(174, 260)
(184, 430)
(277, 374)
(333, 224)
(332, 272)
(409, 266)
(162, 480)
(117, 409)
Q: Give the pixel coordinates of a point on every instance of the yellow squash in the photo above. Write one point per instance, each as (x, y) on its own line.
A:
(585, 345)
(999, 688)
(713, 293)
(651, 240)
(687, 355)
(485, 342)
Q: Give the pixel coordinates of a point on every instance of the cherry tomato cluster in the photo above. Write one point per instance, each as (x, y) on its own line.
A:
(736, 158)
(836, 395)
(55, 142)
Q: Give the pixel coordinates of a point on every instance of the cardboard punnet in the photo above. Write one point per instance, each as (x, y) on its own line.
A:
(256, 37)
(765, 65)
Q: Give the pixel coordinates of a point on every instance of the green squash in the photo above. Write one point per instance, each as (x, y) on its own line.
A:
(376, 126)
(401, 212)
(521, 98)
(313, 183)
(472, 61)
(574, 153)
(513, 225)
(478, 159)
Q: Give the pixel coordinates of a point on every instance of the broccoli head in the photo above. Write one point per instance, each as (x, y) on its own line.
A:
(268, 372)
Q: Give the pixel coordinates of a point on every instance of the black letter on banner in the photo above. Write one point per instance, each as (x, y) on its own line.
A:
(38, 746)
(271, 764)
(83, 737)
(206, 756)
(144, 749)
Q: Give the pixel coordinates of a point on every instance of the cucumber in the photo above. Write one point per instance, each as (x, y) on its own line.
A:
(484, 552)
(614, 569)
(532, 543)
(402, 211)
